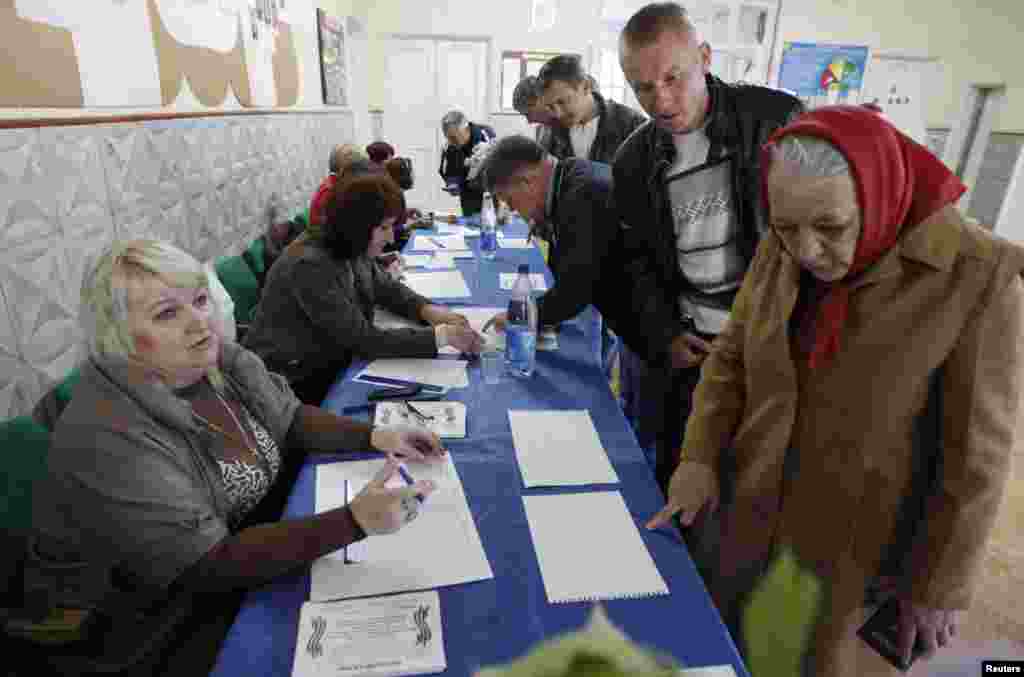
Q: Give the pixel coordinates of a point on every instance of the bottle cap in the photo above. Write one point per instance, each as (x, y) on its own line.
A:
(524, 268)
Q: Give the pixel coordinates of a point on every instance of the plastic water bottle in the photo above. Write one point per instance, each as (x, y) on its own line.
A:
(521, 328)
(488, 229)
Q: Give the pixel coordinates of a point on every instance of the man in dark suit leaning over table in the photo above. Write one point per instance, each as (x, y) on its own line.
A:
(565, 203)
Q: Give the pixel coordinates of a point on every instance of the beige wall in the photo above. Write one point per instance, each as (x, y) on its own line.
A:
(975, 43)
(507, 22)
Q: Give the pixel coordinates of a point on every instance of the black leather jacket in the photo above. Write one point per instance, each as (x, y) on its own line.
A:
(615, 124)
(453, 165)
(645, 312)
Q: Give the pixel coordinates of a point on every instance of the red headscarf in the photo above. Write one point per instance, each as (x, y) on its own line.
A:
(899, 183)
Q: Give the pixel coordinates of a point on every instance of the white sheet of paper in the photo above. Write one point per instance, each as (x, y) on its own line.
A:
(444, 373)
(507, 280)
(416, 260)
(378, 637)
(709, 671)
(448, 422)
(430, 243)
(559, 448)
(443, 284)
(440, 547)
(608, 560)
(353, 552)
(515, 243)
(455, 229)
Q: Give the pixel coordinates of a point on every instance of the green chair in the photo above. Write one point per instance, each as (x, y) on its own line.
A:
(24, 444)
(255, 256)
(64, 388)
(242, 285)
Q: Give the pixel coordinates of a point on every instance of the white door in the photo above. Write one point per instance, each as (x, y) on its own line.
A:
(898, 86)
(425, 79)
(411, 113)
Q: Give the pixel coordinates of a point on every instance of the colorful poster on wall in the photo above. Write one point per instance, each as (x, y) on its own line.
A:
(333, 59)
(823, 74)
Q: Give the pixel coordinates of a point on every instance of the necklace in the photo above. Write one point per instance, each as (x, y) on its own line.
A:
(244, 441)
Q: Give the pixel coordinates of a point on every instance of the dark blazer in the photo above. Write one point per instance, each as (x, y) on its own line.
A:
(317, 313)
(453, 158)
(741, 120)
(581, 231)
(614, 126)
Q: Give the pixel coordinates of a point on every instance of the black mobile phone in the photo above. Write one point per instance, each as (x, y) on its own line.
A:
(882, 633)
(393, 393)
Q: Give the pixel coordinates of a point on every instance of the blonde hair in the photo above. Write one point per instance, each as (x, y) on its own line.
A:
(104, 311)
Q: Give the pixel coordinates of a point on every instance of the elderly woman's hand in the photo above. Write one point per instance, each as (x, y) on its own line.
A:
(688, 351)
(379, 509)
(406, 442)
(934, 628)
(693, 486)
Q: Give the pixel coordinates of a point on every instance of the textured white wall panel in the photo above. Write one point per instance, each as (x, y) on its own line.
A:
(67, 192)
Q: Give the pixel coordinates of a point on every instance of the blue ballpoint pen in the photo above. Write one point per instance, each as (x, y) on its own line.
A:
(408, 480)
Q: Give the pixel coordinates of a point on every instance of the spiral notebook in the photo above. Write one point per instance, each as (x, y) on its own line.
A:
(581, 563)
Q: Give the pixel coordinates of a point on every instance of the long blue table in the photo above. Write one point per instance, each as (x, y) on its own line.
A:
(497, 620)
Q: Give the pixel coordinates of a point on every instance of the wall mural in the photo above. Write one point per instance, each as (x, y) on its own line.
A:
(333, 59)
(27, 44)
(218, 52)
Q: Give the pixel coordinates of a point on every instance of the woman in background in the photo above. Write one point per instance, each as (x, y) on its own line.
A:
(316, 313)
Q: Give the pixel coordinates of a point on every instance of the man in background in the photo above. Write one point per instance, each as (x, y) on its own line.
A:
(528, 100)
(463, 137)
(340, 159)
(589, 126)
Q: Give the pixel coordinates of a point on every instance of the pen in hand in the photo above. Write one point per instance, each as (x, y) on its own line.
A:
(408, 480)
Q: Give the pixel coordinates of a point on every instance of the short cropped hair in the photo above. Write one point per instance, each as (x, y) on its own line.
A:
(380, 151)
(355, 207)
(810, 156)
(651, 21)
(509, 156)
(564, 68)
(454, 119)
(103, 315)
(526, 93)
(344, 155)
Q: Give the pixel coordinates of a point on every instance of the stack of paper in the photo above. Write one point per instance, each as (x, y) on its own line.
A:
(559, 448)
(507, 280)
(402, 370)
(589, 548)
(440, 547)
(446, 284)
(396, 635)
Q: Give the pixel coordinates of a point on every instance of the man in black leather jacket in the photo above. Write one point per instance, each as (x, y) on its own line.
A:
(463, 137)
(582, 114)
(687, 190)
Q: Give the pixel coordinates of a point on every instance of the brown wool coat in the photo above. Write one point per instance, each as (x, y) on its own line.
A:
(942, 308)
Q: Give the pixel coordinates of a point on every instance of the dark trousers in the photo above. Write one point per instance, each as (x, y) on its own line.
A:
(668, 419)
(471, 201)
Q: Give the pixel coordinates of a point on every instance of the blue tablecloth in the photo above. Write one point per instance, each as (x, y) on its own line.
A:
(497, 620)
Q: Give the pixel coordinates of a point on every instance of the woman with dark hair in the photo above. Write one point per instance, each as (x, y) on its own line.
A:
(317, 309)
(380, 152)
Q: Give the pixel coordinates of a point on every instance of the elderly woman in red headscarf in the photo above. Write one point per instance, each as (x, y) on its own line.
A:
(860, 406)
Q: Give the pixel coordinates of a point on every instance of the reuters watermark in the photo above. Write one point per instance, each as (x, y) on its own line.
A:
(1002, 667)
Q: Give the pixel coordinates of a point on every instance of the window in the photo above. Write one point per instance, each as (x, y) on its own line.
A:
(514, 67)
(610, 80)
